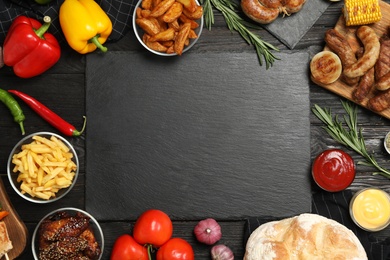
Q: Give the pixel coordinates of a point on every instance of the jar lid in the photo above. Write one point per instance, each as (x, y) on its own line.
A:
(333, 170)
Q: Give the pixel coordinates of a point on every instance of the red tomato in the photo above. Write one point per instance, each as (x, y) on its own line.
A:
(126, 248)
(153, 227)
(176, 249)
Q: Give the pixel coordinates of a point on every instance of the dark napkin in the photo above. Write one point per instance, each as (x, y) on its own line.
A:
(335, 206)
(290, 29)
(119, 11)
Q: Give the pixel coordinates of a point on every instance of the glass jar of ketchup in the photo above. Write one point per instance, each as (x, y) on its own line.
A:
(333, 170)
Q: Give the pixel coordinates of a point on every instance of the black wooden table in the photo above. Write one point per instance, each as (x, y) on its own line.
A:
(63, 89)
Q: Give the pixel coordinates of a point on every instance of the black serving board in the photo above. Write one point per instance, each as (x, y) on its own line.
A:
(201, 135)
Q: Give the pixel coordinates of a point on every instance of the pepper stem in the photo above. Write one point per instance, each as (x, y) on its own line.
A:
(43, 29)
(78, 133)
(22, 128)
(95, 41)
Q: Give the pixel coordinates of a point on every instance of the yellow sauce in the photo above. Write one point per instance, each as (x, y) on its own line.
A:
(371, 209)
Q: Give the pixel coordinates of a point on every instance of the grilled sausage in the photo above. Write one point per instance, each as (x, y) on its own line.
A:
(380, 101)
(258, 12)
(293, 6)
(266, 11)
(340, 45)
(366, 83)
(384, 82)
(382, 65)
(371, 53)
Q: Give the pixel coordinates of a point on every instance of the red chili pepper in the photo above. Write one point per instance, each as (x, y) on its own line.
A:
(47, 114)
(28, 48)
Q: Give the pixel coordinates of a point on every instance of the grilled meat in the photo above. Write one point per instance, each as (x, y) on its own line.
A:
(62, 236)
(382, 65)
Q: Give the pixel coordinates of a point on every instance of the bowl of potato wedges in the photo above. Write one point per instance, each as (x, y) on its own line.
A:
(168, 27)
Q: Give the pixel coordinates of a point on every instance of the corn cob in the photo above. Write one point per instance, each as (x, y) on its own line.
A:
(359, 12)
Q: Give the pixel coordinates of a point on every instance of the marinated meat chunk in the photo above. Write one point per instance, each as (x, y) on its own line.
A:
(62, 236)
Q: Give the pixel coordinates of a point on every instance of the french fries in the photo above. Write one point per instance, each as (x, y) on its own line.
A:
(168, 25)
(44, 166)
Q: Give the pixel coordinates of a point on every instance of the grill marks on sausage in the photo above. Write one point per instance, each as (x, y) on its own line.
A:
(382, 66)
(371, 52)
(340, 45)
(266, 11)
(366, 83)
(367, 70)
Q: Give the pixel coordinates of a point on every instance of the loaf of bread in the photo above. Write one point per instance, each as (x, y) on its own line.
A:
(307, 236)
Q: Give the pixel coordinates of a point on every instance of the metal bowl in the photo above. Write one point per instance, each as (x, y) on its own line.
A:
(97, 230)
(139, 32)
(13, 176)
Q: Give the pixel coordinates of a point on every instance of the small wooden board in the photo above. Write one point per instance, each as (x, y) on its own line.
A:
(16, 228)
(380, 28)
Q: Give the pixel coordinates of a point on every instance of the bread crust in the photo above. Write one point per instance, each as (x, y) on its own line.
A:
(307, 236)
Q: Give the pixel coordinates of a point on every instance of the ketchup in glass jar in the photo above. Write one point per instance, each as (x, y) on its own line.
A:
(333, 170)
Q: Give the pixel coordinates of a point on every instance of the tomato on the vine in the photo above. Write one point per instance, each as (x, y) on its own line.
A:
(126, 248)
(154, 227)
(176, 249)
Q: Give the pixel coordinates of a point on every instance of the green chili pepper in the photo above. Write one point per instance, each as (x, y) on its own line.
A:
(14, 108)
(43, 2)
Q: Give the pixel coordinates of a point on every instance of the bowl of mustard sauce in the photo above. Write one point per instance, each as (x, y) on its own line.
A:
(370, 209)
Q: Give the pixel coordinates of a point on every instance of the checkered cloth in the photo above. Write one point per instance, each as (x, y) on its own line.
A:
(336, 206)
(119, 11)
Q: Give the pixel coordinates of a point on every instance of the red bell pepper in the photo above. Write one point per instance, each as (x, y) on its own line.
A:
(28, 48)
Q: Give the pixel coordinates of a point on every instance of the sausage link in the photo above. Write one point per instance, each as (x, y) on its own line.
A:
(371, 53)
(380, 101)
(366, 83)
(384, 82)
(271, 3)
(258, 12)
(340, 45)
(382, 66)
(293, 6)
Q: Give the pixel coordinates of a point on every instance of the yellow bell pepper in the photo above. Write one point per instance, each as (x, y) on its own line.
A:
(85, 25)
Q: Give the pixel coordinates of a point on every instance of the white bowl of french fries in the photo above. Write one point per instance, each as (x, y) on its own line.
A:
(168, 27)
(43, 167)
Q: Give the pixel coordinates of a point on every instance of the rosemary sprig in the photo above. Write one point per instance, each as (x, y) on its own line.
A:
(349, 136)
(234, 22)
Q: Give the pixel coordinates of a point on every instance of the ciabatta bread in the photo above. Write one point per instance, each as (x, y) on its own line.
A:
(307, 236)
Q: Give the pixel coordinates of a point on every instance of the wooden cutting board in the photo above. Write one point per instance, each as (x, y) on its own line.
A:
(202, 135)
(17, 230)
(380, 28)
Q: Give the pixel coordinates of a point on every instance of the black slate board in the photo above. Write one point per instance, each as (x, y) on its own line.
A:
(290, 29)
(202, 135)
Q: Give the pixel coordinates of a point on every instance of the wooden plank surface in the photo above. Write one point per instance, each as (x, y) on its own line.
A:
(197, 136)
(63, 88)
(381, 27)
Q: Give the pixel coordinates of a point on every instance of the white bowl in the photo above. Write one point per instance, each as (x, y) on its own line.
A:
(139, 32)
(12, 176)
(97, 230)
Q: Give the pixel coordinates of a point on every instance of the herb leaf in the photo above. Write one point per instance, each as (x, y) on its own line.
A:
(234, 22)
(349, 136)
